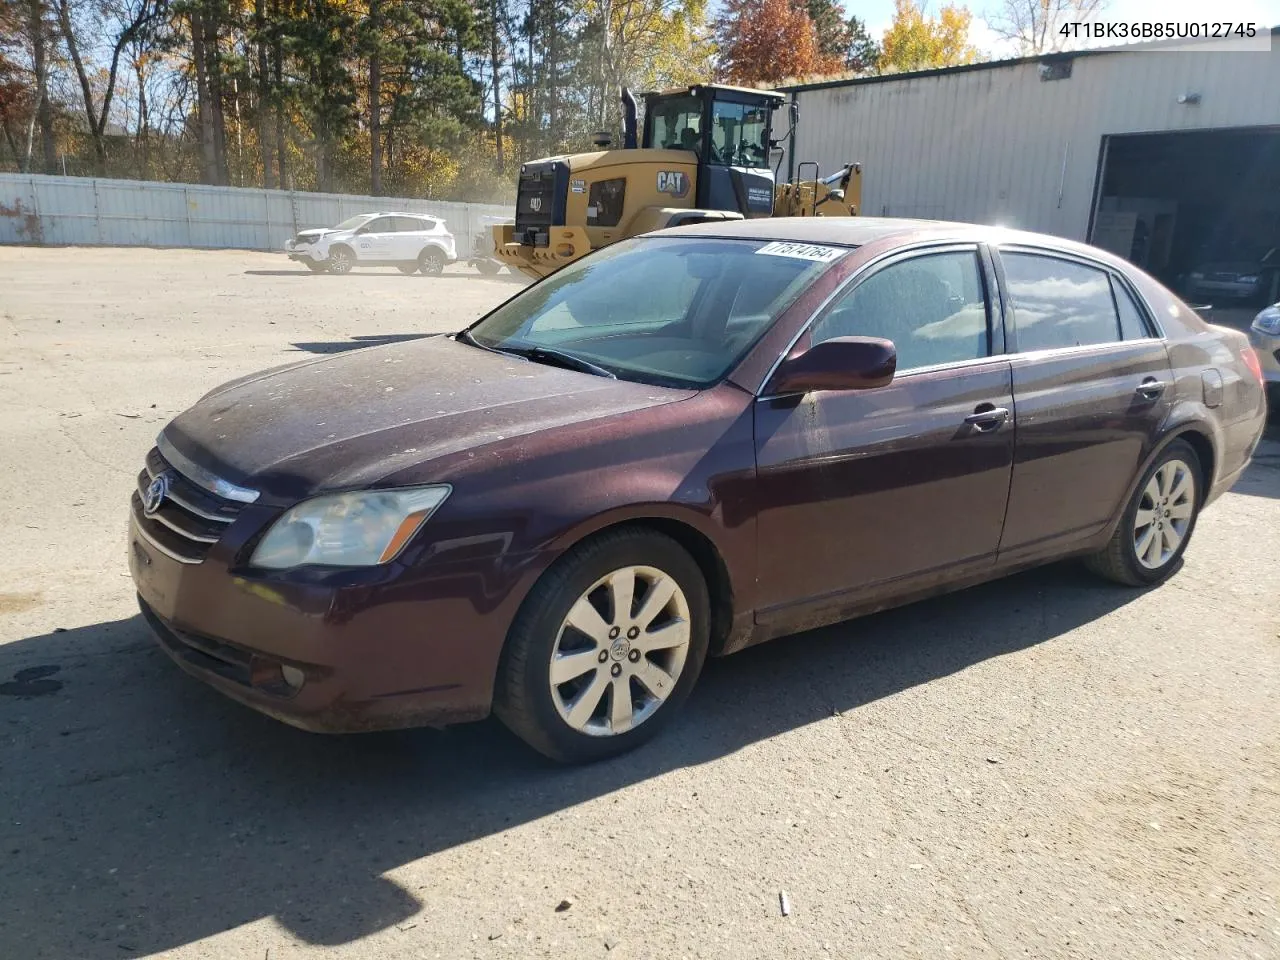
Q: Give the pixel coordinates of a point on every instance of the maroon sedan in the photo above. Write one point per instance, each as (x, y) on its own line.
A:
(684, 444)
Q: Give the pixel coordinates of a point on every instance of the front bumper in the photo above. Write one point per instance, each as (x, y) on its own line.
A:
(305, 253)
(1267, 347)
(374, 649)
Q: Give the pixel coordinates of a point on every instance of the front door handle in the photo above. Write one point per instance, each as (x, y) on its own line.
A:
(1151, 388)
(987, 417)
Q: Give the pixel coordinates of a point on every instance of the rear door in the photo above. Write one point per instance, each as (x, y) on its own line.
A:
(410, 237)
(872, 491)
(1091, 386)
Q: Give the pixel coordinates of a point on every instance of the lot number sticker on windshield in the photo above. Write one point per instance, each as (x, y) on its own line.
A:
(801, 251)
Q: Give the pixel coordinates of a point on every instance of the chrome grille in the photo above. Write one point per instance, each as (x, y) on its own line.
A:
(188, 521)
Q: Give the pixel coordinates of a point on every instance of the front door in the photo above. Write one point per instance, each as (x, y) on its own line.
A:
(374, 243)
(876, 491)
(1091, 386)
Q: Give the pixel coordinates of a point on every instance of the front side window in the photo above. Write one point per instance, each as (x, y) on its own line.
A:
(1059, 303)
(933, 307)
(352, 222)
(670, 311)
(676, 124)
(380, 225)
(738, 134)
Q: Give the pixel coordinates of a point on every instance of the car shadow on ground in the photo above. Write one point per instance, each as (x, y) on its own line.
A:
(355, 343)
(143, 811)
(1262, 477)
(514, 278)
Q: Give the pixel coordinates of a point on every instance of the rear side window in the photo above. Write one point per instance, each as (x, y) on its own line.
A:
(1059, 303)
(410, 224)
(932, 307)
(1133, 326)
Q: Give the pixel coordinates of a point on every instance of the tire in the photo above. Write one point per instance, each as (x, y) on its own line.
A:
(407, 268)
(431, 262)
(341, 260)
(573, 722)
(317, 267)
(488, 267)
(1125, 559)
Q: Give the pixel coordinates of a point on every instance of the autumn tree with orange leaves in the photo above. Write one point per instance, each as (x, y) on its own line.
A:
(768, 41)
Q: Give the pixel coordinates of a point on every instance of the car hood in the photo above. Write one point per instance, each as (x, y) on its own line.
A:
(362, 416)
(1237, 267)
(314, 235)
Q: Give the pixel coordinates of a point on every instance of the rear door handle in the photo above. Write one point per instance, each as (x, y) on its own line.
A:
(1151, 388)
(987, 417)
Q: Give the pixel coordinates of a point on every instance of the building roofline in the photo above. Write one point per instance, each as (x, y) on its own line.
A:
(1056, 57)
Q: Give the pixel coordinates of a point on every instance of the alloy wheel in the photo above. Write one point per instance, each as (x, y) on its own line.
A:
(1164, 514)
(620, 651)
(340, 261)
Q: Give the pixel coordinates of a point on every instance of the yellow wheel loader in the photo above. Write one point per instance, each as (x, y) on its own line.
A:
(704, 155)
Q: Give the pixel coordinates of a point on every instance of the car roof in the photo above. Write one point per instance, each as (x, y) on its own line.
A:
(858, 231)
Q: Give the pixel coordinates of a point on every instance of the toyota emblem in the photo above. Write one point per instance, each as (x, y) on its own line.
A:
(156, 492)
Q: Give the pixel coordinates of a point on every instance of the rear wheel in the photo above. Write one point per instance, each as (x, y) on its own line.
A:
(407, 268)
(431, 261)
(341, 260)
(606, 647)
(1158, 522)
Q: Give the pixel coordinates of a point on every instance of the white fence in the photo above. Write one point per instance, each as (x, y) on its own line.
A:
(86, 211)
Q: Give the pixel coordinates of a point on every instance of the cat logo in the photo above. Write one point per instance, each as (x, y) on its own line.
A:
(674, 182)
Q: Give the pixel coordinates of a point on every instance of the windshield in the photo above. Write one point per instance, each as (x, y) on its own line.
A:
(671, 311)
(738, 134)
(352, 222)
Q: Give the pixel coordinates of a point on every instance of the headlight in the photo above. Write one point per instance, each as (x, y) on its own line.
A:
(1251, 278)
(360, 529)
(1268, 321)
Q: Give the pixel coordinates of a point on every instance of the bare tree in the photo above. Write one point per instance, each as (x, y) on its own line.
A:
(1035, 24)
(130, 20)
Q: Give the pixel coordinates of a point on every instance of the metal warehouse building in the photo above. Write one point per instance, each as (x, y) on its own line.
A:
(1162, 156)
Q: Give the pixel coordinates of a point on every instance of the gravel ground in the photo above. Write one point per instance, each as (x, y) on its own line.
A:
(1047, 766)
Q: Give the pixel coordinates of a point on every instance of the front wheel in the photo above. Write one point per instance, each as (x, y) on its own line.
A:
(1158, 522)
(341, 260)
(605, 648)
(431, 261)
(316, 267)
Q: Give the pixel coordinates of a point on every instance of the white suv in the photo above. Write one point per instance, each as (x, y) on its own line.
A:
(408, 241)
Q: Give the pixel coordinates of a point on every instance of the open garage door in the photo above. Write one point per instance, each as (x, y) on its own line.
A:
(1198, 209)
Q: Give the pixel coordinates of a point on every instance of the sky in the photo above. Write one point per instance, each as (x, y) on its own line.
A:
(878, 14)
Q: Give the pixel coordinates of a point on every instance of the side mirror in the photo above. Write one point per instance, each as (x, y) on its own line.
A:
(360, 230)
(843, 363)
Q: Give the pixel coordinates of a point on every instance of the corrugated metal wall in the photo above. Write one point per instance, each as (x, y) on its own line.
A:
(1000, 145)
(85, 211)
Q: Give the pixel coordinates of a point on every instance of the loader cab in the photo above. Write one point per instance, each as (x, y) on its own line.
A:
(728, 130)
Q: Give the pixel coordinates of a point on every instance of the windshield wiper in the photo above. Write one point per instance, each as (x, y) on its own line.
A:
(558, 358)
